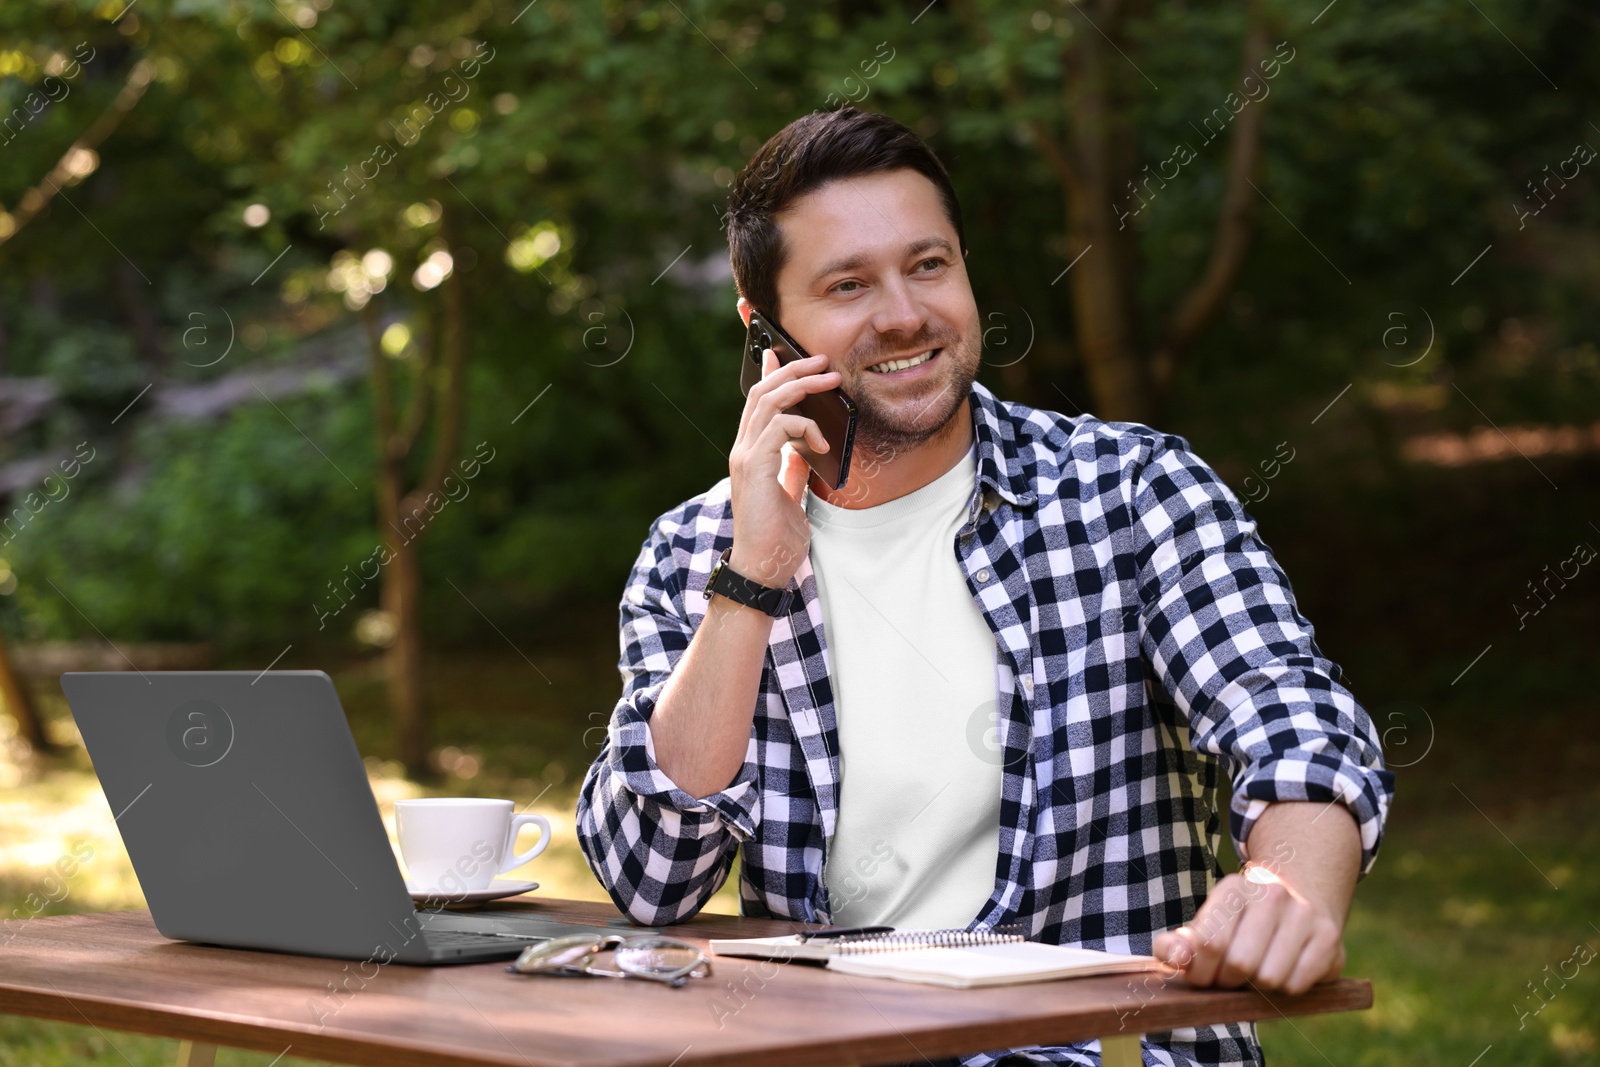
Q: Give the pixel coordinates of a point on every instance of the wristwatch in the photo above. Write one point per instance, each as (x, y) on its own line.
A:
(741, 590)
(1259, 873)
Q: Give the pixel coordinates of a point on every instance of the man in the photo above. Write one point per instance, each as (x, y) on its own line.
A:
(1012, 651)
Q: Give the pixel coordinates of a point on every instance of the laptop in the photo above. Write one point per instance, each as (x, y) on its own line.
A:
(245, 809)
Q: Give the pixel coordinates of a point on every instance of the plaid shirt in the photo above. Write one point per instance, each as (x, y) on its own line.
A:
(1143, 634)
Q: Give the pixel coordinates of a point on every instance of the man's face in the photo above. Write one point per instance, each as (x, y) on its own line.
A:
(874, 276)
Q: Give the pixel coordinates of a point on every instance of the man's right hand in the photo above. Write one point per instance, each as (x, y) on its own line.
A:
(701, 723)
(771, 534)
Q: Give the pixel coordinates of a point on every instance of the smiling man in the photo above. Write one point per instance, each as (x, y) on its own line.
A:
(991, 679)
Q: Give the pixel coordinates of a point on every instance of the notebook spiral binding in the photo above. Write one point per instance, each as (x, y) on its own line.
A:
(901, 940)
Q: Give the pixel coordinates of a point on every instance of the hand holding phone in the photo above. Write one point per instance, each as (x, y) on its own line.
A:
(832, 411)
(771, 533)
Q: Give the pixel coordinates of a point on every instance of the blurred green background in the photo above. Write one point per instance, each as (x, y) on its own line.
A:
(270, 271)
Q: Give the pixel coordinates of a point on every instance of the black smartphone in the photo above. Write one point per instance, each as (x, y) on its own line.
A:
(832, 411)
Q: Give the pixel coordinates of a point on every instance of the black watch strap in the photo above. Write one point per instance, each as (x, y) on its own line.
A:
(741, 590)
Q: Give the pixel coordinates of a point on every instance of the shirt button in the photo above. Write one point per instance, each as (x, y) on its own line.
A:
(983, 576)
(1027, 684)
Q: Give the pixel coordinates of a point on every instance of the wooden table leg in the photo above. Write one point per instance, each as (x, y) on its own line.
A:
(1121, 1051)
(196, 1054)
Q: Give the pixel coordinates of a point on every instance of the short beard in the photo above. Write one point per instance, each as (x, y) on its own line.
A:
(881, 435)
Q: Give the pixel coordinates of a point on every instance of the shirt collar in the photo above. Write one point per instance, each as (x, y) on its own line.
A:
(1000, 466)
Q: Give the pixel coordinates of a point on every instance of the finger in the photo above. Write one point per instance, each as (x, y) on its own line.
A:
(803, 432)
(767, 356)
(763, 458)
(774, 373)
(796, 368)
(795, 473)
(786, 389)
(1258, 925)
(1289, 943)
(1322, 958)
(786, 394)
(1214, 924)
(782, 389)
(1175, 948)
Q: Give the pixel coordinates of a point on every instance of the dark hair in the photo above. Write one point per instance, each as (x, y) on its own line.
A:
(811, 151)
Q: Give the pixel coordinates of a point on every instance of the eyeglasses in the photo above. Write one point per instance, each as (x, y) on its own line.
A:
(659, 959)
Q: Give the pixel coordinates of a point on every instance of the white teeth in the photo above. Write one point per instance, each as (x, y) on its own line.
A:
(902, 364)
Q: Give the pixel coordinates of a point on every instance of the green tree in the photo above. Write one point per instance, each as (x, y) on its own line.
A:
(512, 202)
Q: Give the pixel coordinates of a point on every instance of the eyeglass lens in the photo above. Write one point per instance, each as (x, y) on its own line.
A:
(657, 956)
(661, 958)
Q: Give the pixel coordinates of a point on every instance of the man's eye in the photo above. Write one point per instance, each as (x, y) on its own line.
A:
(839, 288)
(935, 260)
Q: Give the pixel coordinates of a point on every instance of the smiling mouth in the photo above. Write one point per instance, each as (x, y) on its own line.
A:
(890, 366)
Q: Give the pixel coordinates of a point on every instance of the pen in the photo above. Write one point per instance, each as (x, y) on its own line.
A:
(844, 931)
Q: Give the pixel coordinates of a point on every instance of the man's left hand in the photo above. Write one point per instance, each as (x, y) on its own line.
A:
(1255, 928)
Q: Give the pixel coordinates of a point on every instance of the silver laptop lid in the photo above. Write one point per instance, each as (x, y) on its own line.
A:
(244, 806)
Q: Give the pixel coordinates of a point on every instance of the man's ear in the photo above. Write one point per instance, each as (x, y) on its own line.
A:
(745, 308)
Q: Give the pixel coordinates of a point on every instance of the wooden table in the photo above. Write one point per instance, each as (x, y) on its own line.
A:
(115, 970)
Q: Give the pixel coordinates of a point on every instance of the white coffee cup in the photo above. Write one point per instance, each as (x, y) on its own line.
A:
(455, 844)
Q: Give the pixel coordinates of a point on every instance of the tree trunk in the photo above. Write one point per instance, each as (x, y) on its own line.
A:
(20, 704)
(401, 598)
(1101, 322)
(401, 582)
(1104, 295)
(403, 514)
(1234, 232)
(1129, 370)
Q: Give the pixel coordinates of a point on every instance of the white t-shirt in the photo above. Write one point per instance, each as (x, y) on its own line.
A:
(912, 663)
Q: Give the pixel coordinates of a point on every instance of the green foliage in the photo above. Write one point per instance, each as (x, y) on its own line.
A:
(573, 151)
(591, 146)
(230, 534)
(93, 366)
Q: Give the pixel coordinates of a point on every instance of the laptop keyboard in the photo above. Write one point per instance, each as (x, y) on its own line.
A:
(467, 939)
(453, 934)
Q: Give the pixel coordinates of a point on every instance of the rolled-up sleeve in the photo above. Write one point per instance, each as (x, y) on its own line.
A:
(660, 852)
(1222, 632)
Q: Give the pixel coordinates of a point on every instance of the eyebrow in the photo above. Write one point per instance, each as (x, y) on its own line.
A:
(859, 260)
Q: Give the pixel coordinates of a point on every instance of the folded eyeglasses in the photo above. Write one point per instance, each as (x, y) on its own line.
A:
(648, 956)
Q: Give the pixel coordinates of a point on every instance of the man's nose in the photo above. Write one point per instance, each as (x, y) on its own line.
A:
(898, 310)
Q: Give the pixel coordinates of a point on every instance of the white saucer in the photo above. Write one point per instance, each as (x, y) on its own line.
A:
(500, 887)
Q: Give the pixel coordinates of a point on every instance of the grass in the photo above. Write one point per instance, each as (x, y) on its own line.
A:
(1450, 927)
(1490, 870)
(1489, 873)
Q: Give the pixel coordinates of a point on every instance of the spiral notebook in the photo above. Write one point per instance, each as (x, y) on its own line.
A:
(958, 959)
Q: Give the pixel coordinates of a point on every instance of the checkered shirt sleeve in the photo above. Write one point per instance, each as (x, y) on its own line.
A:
(660, 852)
(1224, 636)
